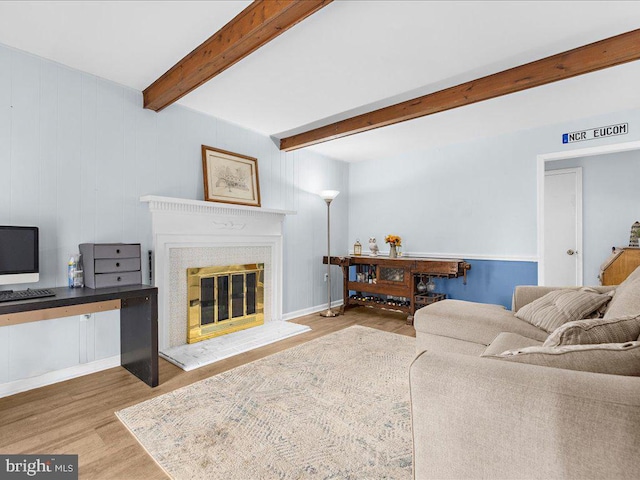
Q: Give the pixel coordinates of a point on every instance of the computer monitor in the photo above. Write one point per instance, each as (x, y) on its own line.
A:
(18, 255)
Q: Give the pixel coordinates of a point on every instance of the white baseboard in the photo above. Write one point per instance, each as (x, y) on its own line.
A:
(17, 386)
(310, 310)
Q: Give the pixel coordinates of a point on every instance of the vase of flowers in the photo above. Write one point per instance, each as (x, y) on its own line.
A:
(394, 242)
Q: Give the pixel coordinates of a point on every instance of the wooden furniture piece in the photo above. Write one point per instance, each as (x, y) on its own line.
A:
(395, 278)
(619, 265)
(138, 305)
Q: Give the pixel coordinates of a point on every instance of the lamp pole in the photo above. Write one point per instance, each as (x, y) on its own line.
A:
(328, 196)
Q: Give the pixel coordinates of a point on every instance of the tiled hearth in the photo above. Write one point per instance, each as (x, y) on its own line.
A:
(209, 351)
(188, 233)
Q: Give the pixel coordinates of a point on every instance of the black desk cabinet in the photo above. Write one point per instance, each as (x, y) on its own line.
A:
(138, 321)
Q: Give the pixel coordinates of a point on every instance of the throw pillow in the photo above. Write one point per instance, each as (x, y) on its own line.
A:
(561, 306)
(610, 358)
(599, 313)
(597, 330)
(626, 300)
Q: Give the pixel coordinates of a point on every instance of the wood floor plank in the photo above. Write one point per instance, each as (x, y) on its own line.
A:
(77, 416)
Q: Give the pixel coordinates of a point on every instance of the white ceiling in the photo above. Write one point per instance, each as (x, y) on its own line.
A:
(348, 58)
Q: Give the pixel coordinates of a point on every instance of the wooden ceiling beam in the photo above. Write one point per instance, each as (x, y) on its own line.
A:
(256, 25)
(588, 58)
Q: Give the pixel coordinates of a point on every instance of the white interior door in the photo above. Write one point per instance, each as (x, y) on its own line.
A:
(563, 227)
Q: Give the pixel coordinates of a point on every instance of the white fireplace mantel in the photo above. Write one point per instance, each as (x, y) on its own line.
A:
(183, 206)
(183, 223)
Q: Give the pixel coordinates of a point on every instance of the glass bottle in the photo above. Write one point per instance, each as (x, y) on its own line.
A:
(431, 285)
(421, 287)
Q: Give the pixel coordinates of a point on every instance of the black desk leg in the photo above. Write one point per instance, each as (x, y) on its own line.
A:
(139, 337)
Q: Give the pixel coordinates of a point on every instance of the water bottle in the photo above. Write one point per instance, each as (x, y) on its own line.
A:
(71, 270)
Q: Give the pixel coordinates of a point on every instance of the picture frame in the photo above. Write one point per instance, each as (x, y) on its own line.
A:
(230, 177)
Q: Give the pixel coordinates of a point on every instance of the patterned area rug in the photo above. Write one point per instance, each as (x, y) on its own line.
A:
(334, 408)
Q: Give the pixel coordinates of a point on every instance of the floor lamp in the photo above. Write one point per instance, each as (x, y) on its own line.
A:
(328, 196)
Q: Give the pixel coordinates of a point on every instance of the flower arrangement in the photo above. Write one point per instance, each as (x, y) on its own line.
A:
(393, 240)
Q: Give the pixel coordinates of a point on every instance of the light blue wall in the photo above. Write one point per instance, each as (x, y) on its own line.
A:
(448, 200)
(610, 204)
(77, 152)
(476, 200)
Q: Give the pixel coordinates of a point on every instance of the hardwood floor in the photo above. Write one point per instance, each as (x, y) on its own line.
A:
(77, 416)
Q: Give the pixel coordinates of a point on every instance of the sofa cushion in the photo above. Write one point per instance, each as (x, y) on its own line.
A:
(561, 306)
(509, 341)
(610, 358)
(426, 342)
(472, 322)
(597, 330)
(626, 300)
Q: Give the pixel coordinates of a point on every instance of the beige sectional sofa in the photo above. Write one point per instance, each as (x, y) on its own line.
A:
(497, 397)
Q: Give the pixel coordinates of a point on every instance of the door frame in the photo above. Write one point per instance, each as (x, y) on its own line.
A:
(563, 155)
(577, 171)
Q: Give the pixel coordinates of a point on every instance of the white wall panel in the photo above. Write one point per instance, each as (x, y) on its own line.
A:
(39, 347)
(91, 337)
(4, 355)
(170, 158)
(6, 114)
(129, 181)
(307, 231)
(36, 348)
(107, 334)
(110, 166)
(88, 153)
(144, 170)
(68, 164)
(48, 154)
(25, 105)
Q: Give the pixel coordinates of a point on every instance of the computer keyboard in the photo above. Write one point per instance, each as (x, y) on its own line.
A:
(12, 296)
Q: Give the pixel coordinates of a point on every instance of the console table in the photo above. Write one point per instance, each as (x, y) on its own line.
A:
(138, 305)
(394, 277)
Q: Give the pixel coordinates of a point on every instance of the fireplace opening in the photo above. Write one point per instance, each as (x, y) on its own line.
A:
(224, 299)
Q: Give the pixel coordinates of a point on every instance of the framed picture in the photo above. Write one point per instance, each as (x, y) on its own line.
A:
(230, 177)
